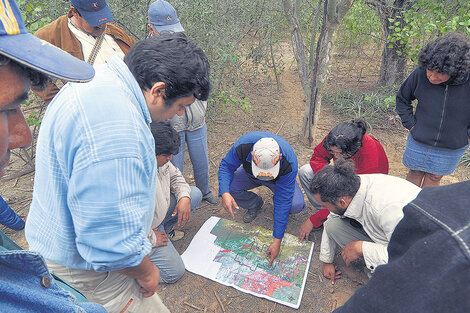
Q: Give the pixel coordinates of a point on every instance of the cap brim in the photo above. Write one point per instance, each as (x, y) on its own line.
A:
(95, 18)
(44, 57)
(176, 28)
(274, 171)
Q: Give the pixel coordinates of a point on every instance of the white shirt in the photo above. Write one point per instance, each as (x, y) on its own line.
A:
(378, 206)
(109, 46)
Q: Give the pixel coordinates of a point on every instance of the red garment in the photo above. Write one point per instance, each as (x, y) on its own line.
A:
(318, 218)
(370, 159)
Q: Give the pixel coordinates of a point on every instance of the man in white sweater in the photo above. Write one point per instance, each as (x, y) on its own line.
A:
(365, 211)
(175, 200)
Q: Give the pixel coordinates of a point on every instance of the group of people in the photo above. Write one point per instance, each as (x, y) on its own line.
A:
(109, 190)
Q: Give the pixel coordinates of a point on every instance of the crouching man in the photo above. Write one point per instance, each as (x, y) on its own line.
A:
(366, 209)
(175, 200)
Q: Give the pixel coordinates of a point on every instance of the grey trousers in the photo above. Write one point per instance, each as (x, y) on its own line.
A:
(305, 177)
(342, 232)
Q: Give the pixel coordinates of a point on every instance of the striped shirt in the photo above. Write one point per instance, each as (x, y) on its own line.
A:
(95, 180)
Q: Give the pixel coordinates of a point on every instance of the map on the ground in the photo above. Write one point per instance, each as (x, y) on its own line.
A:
(234, 254)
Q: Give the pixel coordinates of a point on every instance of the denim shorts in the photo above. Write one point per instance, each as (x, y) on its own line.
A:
(432, 160)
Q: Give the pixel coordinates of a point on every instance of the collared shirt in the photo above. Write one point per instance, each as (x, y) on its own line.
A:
(108, 48)
(95, 180)
(378, 207)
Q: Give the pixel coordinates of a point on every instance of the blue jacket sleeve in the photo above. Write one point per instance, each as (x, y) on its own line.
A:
(405, 97)
(283, 195)
(8, 217)
(227, 167)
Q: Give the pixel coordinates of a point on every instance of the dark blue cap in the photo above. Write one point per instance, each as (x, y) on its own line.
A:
(95, 12)
(19, 45)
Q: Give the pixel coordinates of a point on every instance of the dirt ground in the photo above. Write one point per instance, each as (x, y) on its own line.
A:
(279, 112)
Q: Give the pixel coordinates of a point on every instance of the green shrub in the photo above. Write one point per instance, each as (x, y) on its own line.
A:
(377, 108)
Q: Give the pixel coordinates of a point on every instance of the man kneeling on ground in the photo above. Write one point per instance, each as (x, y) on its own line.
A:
(175, 200)
(365, 211)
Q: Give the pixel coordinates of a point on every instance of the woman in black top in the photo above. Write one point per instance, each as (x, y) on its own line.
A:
(440, 124)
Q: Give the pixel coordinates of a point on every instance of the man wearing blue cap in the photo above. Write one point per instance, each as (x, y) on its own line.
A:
(163, 18)
(191, 126)
(85, 33)
(25, 283)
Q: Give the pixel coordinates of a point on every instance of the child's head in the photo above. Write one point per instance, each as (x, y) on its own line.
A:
(167, 141)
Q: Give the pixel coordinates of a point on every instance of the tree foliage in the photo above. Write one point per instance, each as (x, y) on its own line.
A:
(240, 37)
(426, 20)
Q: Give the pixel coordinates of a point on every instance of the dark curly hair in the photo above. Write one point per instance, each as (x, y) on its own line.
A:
(38, 80)
(449, 54)
(347, 137)
(335, 181)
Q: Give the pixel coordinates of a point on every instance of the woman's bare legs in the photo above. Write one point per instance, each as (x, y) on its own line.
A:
(415, 177)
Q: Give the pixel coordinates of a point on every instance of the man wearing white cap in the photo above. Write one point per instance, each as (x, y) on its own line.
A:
(266, 160)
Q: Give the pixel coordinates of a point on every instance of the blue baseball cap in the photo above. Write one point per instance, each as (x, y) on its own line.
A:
(19, 45)
(95, 12)
(163, 17)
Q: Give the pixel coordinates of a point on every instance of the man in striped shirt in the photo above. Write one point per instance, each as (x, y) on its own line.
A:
(95, 181)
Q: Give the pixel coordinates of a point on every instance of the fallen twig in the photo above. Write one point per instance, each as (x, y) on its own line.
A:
(274, 308)
(334, 305)
(18, 174)
(20, 201)
(277, 133)
(213, 163)
(194, 307)
(220, 301)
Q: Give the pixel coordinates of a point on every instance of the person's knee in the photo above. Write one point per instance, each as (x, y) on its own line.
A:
(332, 225)
(298, 205)
(174, 274)
(305, 173)
(196, 197)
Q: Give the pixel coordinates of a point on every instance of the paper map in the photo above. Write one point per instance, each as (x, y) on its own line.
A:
(234, 254)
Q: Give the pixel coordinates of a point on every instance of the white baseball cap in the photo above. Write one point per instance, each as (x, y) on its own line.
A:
(265, 159)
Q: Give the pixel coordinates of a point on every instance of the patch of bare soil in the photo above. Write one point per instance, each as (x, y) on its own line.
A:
(279, 112)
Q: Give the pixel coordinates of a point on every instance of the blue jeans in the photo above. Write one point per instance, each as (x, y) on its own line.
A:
(197, 148)
(242, 182)
(166, 258)
(26, 285)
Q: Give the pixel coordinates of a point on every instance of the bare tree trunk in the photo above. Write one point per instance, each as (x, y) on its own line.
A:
(313, 75)
(297, 43)
(393, 66)
(334, 11)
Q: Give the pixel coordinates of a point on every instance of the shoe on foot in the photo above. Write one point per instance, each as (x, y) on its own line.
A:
(212, 199)
(175, 235)
(251, 214)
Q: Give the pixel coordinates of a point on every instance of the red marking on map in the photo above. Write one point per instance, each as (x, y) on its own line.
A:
(264, 283)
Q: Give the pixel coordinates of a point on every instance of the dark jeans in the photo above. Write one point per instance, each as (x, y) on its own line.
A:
(429, 258)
